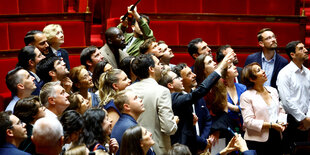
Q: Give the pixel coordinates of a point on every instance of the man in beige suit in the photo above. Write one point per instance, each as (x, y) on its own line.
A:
(158, 117)
(112, 50)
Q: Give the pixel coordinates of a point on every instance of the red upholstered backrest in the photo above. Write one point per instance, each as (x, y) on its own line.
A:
(224, 6)
(177, 6)
(182, 58)
(4, 39)
(9, 7)
(166, 31)
(119, 7)
(272, 7)
(41, 6)
(74, 32)
(74, 60)
(112, 22)
(19, 30)
(6, 65)
(238, 33)
(189, 30)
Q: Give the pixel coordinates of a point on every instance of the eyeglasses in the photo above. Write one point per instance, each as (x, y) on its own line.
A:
(18, 123)
(177, 78)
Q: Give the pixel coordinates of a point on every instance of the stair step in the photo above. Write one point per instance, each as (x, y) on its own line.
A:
(96, 29)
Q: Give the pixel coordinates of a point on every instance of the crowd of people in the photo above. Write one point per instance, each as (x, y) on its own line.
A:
(127, 98)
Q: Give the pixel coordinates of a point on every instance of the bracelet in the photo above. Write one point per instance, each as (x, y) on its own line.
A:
(270, 125)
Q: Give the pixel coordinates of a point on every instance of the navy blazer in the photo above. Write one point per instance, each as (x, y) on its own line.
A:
(239, 69)
(279, 64)
(124, 122)
(182, 107)
(39, 85)
(11, 149)
(64, 55)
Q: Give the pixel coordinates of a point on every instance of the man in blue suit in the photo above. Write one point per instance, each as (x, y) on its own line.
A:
(131, 106)
(189, 104)
(270, 61)
(12, 133)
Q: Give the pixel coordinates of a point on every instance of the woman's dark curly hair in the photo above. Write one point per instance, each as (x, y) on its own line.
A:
(93, 131)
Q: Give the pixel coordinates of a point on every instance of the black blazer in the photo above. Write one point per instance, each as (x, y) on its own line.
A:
(64, 55)
(279, 64)
(182, 107)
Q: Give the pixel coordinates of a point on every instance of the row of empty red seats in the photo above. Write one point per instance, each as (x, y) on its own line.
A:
(12, 34)
(219, 33)
(250, 7)
(31, 6)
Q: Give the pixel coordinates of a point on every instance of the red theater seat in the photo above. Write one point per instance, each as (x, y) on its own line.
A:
(224, 6)
(182, 58)
(177, 6)
(74, 32)
(19, 30)
(9, 7)
(272, 7)
(4, 39)
(208, 31)
(41, 6)
(238, 33)
(112, 22)
(74, 60)
(119, 7)
(166, 31)
(6, 65)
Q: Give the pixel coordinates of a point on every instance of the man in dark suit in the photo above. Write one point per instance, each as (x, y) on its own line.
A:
(28, 58)
(12, 133)
(271, 62)
(190, 104)
(37, 39)
(197, 47)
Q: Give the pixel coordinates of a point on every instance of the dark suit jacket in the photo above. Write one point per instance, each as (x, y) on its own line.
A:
(27, 145)
(124, 122)
(39, 85)
(64, 55)
(182, 107)
(279, 64)
(239, 69)
(11, 149)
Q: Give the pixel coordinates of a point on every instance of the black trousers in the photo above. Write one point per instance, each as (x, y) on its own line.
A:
(272, 146)
(292, 135)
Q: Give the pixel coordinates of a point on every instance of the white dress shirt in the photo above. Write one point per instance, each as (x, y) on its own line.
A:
(294, 89)
(268, 66)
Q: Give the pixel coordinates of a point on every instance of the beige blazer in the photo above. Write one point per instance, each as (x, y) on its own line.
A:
(158, 115)
(255, 112)
(109, 56)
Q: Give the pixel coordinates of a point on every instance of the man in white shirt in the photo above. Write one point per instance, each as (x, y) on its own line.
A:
(54, 97)
(294, 88)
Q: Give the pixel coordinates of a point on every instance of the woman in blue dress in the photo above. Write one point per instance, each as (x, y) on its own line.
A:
(109, 84)
(234, 91)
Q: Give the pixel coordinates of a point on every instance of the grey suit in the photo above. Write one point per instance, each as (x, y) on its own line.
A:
(109, 56)
(158, 115)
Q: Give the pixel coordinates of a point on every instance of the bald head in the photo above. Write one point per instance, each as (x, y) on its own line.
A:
(115, 38)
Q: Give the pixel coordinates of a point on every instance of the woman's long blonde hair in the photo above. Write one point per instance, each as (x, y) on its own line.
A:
(106, 90)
